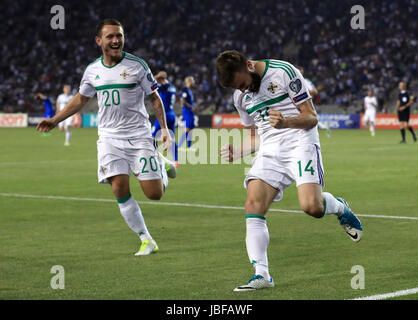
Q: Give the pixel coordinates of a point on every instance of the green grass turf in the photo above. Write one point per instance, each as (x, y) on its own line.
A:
(202, 250)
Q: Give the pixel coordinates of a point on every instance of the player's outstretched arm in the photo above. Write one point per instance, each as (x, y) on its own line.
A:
(73, 106)
(57, 109)
(307, 119)
(250, 145)
(160, 114)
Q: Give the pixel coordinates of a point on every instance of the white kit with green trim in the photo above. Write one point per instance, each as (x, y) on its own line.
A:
(282, 88)
(121, 90)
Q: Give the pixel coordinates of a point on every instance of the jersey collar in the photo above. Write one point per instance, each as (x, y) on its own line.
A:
(267, 66)
(101, 59)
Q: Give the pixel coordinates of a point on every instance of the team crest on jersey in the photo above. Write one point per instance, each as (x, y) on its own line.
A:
(272, 87)
(295, 85)
(247, 98)
(124, 75)
(97, 77)
(103, 170)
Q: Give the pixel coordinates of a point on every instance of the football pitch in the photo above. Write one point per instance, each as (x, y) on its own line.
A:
(54, 213)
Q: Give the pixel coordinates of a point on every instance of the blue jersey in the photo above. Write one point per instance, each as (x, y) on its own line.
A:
(49, 111)
(167, 93)
(187, 95)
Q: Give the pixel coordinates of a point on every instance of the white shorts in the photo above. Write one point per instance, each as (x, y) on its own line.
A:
(66, 123)
(126, 156)
(370, 116)
(279, 169)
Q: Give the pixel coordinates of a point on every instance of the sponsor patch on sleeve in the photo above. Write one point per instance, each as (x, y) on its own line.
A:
(300, 97)
(154, 86)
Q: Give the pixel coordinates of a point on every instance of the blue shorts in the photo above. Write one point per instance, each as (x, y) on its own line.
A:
(189, 120)
(171, 124)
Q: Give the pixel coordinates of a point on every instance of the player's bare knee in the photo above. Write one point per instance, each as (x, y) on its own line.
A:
(313, 208)
(119, 187)
(255, 206)
(154, 194)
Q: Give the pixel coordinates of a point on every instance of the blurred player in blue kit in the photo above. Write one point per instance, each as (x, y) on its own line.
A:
(167, 93)
(187, 101)
(49, 110)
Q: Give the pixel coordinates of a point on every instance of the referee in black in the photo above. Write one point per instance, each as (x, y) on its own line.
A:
(403, 106)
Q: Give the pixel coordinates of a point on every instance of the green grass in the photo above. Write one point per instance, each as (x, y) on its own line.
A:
(202, 250)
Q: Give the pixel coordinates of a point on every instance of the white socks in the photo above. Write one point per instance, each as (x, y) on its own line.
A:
(163, 170)
(257, 237)
(257, 240)
(332, 205)
(132, 214)
(67, 136)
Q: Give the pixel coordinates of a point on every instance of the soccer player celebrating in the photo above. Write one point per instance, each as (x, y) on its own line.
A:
(403, 107)
(167, 93)
(125, 145)
(187, 101)
(370, 106)
(271, 95)
(62, 101)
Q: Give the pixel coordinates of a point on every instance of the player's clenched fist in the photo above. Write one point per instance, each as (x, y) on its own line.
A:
(166, 139)
(276, 119)
(229, 154)
(46, 125)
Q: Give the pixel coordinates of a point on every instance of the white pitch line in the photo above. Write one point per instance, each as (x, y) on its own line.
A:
(43, 162)
(390, 295)
(388, 217)
(180, 204)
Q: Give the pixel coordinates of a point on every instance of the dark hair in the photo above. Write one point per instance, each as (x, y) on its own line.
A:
(227, 64)
(107, 22)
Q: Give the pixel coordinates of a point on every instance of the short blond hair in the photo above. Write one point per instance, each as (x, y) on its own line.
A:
(189, 78)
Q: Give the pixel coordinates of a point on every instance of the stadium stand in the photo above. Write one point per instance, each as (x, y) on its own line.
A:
(184, 37)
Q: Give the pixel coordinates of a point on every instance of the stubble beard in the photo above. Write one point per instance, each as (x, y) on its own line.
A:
(256, 82)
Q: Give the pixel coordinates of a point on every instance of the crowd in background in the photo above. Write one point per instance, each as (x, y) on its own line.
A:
(183, 37)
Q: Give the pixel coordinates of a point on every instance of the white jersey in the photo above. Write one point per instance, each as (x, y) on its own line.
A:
(63, 100)
(121, 90)
(282, 88)
(371, 103)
